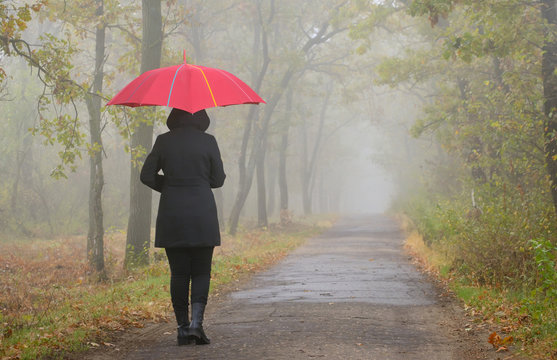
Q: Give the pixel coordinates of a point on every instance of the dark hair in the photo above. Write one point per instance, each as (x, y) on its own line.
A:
(179, 118)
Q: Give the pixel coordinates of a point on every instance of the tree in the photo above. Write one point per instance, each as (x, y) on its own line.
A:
(283, 180)
(95, 236)
(54, 67)
(485, 113)
(245, 169)
(52, 60)
(321, 33)
(79, 18)
(139, 223)
(310, 160)
(496, 37)
(13, 21)
(549, 66)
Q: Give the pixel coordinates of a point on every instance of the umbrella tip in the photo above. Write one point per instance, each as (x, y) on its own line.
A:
(184, 56)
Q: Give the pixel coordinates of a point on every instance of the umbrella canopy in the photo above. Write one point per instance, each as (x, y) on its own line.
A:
(187, 87)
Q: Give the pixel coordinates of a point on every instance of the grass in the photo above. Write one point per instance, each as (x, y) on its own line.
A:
(52, 304)
(431, 259)
(515, 314)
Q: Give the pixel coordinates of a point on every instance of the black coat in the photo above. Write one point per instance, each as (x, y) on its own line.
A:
(191, 162)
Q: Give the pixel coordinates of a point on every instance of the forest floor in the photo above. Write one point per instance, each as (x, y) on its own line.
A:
(350, 293)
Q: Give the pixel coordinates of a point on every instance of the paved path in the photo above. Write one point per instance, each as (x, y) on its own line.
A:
(351, 293)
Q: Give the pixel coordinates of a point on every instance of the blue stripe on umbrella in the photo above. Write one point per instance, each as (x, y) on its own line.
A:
(172, 86)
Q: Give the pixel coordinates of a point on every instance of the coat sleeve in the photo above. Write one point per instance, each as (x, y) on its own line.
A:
(217, 169)
(150, 170)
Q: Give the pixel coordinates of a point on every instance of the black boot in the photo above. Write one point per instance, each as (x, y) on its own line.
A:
(183, 326)
(196, 332)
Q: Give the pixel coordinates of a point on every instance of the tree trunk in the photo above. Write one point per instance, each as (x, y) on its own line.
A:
(139, 223)
(244, 180)
(256, 151)
(283, 182)
(95, 236)
(23, 164)
(309, 165)
(549, 64)
(305, 166)
(271, 183)
(323, 202)
(262, 220)
(245, 170)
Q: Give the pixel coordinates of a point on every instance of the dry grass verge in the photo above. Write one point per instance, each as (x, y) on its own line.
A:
(51, 303)
(488, 307)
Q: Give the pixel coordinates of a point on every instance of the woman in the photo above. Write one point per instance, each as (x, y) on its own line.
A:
(187, 224)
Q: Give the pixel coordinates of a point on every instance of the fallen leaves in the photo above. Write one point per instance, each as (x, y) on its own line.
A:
(501, 344)
(7, 332)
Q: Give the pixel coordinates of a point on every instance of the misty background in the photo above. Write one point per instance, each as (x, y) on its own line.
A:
(350, 174)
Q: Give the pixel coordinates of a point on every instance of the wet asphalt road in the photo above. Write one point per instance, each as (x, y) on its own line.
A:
(350, 293)
(359, 260)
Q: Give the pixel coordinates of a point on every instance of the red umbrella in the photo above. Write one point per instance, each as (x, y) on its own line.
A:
(187, 87)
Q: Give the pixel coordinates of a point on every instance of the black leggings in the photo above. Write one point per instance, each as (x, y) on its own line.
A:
(189, 264)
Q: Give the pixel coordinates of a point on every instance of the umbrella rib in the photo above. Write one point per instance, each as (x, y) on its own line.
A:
(172, 86)
(206, 81)
(235, 83)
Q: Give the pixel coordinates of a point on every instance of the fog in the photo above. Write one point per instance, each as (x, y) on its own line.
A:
(343, 137)
(368, 186)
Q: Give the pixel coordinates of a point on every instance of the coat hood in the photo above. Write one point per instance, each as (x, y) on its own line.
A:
(179, 118)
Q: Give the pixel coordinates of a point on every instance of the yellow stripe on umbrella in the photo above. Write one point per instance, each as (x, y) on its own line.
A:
(207, 81)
